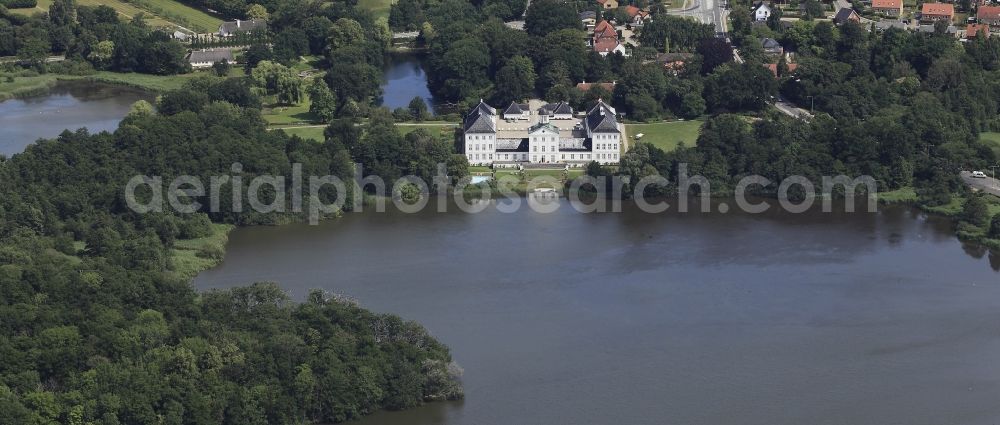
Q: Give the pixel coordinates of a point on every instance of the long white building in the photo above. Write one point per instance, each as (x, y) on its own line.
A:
(551, 134)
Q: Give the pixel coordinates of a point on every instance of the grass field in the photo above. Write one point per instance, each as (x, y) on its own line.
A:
(666, 135)
(316, 132)
(380, 8)
(159, 13)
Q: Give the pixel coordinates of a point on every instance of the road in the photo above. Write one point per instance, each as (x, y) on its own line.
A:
(789, 108)
(988, 185)
(707, 12)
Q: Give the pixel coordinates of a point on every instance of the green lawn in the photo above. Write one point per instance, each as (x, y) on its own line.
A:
(992, 139)
(666, 135)
(901, 195)
(186, 15)
(289, 115)
(379, 8)
(24, 86)
(314, 133)
(191, 256)
(159, 13)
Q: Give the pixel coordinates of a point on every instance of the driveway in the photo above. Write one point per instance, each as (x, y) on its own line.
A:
(988, 185)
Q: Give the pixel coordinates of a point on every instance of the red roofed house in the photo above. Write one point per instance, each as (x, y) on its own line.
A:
(585, 86)
(972, 29)
(989, 15)
(637, 15)
(605, 39)
(774, 68)
(888, 7)
(931, 12)
(608, 4)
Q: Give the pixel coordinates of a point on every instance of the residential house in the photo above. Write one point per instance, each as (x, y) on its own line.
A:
(951, 30)
(892, 8)
(570, 142)
(228, 29)
(772, 46)
(585, 86)
(674, 62)
(989, 15)
(637, 16)
(206, 58)
(605, 40)
(972, 30)
(773, 67)
(931, 12)
(608, 4)
(589, 19)
(761, 12)
(845, 15)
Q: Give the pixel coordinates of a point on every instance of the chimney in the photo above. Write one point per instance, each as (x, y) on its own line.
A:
(544, 118)
(237, 23)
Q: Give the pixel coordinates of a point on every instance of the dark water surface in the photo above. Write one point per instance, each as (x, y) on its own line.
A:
(630, 318)
(403, 78)
(68, 105)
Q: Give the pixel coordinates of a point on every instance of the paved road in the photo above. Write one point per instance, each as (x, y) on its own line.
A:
(788, 108)
(707, 12)
(988, 185)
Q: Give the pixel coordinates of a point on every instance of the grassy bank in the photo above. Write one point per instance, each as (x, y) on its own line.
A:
(192, 256)
(379, 8)
(23, 86)
(666, 135)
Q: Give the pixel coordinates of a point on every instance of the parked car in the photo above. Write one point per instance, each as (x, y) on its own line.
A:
(978, 174)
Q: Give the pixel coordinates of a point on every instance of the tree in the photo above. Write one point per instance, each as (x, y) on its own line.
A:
(275, 78)
(545, 16)
(256, 11)
(221, 67)
(714, 51)
(323, 104)
(994, 232)
(516, 80)
(102, 53)
(345, 32)
(418, 109)
(975, 211)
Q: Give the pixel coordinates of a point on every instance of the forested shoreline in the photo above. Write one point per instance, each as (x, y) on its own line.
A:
(99, 328)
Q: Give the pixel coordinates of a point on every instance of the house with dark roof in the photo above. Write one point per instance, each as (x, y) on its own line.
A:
(761, 12)
(229, 29)
(557, 111)
(845, 15)
(206, 58)
(517, 111)
(772, 46)
(549, 136)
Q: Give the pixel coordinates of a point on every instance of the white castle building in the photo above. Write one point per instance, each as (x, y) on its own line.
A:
(549, 135)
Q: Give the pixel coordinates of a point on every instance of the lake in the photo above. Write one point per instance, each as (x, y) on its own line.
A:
(403, 78)
(68, 105)
(631, 318)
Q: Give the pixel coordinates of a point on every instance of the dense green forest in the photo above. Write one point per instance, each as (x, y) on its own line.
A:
(99, 327)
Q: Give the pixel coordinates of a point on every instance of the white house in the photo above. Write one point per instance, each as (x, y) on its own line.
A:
(517, 111)
(549, 135)
(761, 12)
(228, 29)
(206, 58)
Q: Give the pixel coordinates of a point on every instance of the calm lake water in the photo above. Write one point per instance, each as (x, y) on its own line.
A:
(69, 105)
(630, 318)
(403, 79)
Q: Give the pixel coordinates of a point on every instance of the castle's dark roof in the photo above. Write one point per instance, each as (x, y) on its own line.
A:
(515, 109)
(512, 145)
(480, 119)
(543, 126)
(557, 108)
(601, 119)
